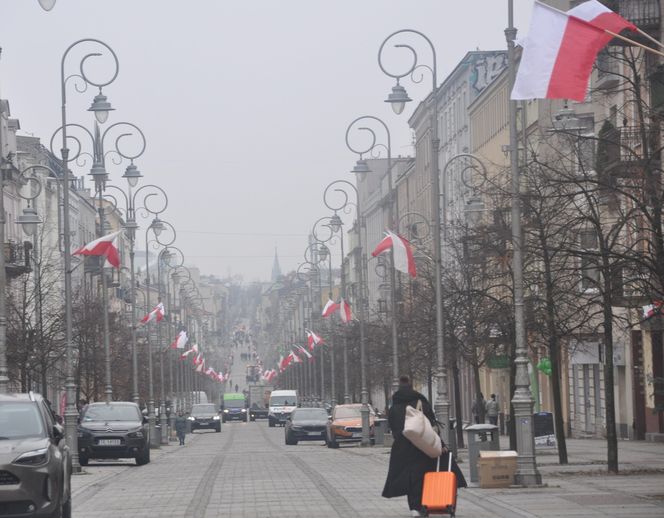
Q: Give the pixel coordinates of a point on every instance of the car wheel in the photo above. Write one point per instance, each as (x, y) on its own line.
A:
(143, 458)
(83, 460)
(218, 429)
(252, 418)
(271, 423)
(331, 443)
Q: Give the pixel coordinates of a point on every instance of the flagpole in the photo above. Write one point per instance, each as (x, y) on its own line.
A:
(522, 400)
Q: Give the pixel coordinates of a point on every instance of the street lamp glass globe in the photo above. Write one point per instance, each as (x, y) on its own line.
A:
(398, 107)
(323, 252)
(335, 223)
(132, 175)
(102, 116)
(157, 226)
(29, 221)
(398, 98)
(47, 5)
(101, 107)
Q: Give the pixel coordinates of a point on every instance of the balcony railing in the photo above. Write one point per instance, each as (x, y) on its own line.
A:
(645, 14)
(624, 149)
(17, 258)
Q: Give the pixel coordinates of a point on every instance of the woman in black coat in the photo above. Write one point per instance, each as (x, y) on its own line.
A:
(408, 464)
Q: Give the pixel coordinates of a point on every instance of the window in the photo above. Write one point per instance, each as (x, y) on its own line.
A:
(585, 146)
(589, 270)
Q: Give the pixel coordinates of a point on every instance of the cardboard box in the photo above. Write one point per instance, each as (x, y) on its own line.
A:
(497, 468)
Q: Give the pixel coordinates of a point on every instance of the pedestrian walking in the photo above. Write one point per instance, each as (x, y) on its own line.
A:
(407, 463)
(181, 427)
(492, 410)
(478, 409)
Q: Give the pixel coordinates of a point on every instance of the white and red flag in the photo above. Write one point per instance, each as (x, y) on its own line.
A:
(560, 49)
(346, 315)
(402, 252)
(305, 352)
(194, 349)
(313, 340)
(181, 340)
(270, 375)
(653, 309)
(330, 308)
(102, 247)
(295, 358)
(156, 314)
(198, 359)
(201, 366)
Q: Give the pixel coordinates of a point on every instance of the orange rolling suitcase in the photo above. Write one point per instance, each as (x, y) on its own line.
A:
(439, 493)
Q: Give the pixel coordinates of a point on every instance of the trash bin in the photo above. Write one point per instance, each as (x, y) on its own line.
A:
(380, 427)
(480, 437)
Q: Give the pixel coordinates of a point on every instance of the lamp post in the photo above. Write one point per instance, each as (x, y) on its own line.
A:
(133, 204)
(361, 167)
(307, 272)
(341, 202)
(316, 253)
(163, 257)
(171, 264)
(527, 473)
(397, 99)
(71, 413)
(324, 224)
(157, 227)
(100, 177)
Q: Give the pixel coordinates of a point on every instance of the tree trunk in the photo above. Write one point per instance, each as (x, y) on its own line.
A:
(457, 401)
(554, 355)
(609, 397)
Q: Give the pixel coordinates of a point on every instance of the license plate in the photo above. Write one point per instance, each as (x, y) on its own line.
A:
(314, 433)
(109, 442)
(357, 434)
(203, 422)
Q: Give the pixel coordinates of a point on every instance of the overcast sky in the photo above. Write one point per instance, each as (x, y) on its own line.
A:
(244, 103)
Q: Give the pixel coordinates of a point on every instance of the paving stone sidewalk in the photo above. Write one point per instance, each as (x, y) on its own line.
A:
(248, 471)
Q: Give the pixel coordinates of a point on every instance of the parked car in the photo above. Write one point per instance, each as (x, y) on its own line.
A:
(35, 462)
(115, 430)
(205, 416)
(306, 424)
(346, 424)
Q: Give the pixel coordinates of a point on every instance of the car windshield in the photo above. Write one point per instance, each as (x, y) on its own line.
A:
(346, 412)
(283, 401)
(111, 413)
(20, 420)
(234, 403)
(203, 409)
(310, 414)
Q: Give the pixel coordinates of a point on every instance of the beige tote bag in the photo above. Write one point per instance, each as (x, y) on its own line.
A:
(418, 430)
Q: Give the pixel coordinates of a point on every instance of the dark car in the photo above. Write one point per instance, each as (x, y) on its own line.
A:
(306, 424)
(35, 465)
(205, 416)
(115, 430)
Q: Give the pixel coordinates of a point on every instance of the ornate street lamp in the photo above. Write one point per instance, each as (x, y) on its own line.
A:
(442, 405)
(71, 413)
(150, 199)
(392, 217)
(340, 189)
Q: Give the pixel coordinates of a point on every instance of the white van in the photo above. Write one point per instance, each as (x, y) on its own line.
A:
(282, 403)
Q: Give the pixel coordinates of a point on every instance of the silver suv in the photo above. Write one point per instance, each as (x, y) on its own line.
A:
(35, 465)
